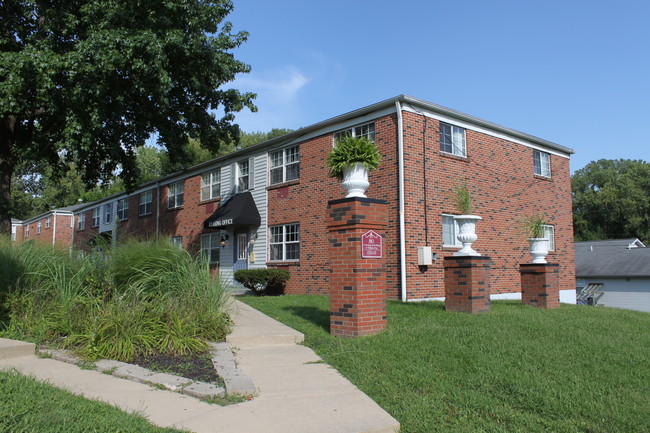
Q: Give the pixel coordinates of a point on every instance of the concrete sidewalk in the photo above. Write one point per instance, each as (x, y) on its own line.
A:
(296, 392)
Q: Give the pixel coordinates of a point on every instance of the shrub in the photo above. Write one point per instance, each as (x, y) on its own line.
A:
(269, 282)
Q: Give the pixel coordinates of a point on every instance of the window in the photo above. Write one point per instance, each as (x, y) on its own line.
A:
(452, 139)
(145, 203)
(108, 213)
(81, 221)
(211, 185)
(38, 227)
(95, 221)
(47, 222)
(285, 165)
(27, 231)
(449, 231)
(210, 247)
(13, 233)
(285, 242)
(549, 233)
(123, 209)
(175, 194)
(242, 175)
(542, 162)
(367, 130)
(177, 241)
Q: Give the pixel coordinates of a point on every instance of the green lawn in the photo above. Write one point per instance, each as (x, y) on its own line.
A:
(29, 406)
(515, 369)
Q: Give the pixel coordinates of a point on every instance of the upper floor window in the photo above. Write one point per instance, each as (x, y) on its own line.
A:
(38, 227)
(95, 220)
(175, 194)
(123, 209)
(285, 165)
(81, 221)
(284, 244)
(47, 222)
(549, 233)
(366, 130)
(144, 203)
(450, 231)
(243, 175)
(452, 140)
(211, 185)
(542, 163)
(108, 213)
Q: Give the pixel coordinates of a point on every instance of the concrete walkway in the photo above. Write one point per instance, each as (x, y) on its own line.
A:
(296, 392)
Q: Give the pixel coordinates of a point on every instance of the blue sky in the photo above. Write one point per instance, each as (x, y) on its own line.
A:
(573, 72)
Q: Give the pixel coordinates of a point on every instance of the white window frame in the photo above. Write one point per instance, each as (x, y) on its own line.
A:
(209, 243)
(27, 231)
(449, 225)
(38, 227)
(175, 194)
(542, 163)
(282, 236)
(48, 221)
(549, 233)
(123, 209)
(455, 138)
(282, 164)
(95, 217)
(243, 175)
(364, 130)
(108, 213)
(211, 185)
(13, 233)
(177, 241)
(145, 202)
(81, 221)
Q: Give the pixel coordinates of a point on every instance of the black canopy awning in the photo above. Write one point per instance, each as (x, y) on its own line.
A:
(239, 210)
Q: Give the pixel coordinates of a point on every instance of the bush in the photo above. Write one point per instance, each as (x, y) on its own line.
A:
(270, 282)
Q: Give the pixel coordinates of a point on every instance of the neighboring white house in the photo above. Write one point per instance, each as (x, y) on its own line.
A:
(613, 273)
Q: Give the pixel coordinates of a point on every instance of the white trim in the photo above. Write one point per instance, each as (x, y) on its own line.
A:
(452, 121)
(566, 297)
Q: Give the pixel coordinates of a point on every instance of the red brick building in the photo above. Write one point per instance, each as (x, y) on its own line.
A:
(265, 206)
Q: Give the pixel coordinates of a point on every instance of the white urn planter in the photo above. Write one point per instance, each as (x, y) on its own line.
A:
(467, 234)
(538, 250)
(355, 180)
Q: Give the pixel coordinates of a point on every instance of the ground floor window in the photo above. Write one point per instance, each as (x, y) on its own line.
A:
(177, 241)
(210, 247)
(285, 242)
(450, 232)
(549, 233)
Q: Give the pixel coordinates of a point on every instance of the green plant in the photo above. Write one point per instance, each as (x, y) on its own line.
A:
(533, 225)
(349, 150)
(463, 199)
(263, 281)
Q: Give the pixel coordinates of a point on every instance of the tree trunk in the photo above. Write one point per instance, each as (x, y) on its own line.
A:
(7, 166)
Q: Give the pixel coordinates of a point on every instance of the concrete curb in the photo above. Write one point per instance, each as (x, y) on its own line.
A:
(236, 383)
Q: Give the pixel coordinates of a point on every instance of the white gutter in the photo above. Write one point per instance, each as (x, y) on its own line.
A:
(402, 239)
(157, 209)
(54, 230)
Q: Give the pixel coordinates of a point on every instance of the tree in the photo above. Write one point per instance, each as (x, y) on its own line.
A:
(611, 199)
(89, 81)
(248, 139)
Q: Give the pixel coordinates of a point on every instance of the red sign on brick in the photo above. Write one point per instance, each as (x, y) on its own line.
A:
(371, 245)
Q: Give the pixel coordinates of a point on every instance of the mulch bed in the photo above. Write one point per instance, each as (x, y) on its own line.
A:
(195, 367)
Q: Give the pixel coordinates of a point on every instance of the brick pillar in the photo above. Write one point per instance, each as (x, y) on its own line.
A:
(357, 285)
(467, 284)
(540, 285)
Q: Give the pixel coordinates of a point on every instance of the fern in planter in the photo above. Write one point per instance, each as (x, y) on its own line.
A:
(350, 150)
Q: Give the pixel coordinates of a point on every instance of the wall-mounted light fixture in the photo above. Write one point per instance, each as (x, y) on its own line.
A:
(224, 238)
(253, 238)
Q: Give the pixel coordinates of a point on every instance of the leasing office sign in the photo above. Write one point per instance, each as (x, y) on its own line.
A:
(221, 223)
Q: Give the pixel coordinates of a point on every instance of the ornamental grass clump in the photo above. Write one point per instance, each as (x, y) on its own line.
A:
(138, 299)
(533, 225)
(463, 199)
(350, 150)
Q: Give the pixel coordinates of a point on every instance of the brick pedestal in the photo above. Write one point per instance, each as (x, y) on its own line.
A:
(357, 285)
(467, 284)
(540, 285)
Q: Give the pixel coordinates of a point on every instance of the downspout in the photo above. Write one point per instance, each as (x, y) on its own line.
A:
(402, 236)
(72, 229)
(157, 209)
(54, 230)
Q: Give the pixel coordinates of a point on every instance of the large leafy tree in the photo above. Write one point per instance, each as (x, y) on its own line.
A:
(611, 199)
(89, 81)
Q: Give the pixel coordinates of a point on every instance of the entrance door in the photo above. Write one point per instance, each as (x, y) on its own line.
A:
(240, 260)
